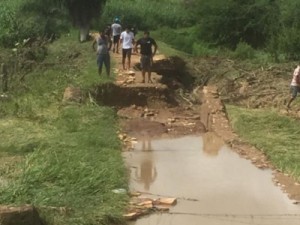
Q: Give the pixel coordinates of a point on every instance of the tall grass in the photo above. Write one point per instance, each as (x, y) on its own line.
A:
(276, 135)
(68, 155)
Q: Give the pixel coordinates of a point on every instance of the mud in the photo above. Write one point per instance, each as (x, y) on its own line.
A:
(212, 183)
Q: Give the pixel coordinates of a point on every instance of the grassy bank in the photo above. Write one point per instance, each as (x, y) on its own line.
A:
(58, 155)
(274, 134)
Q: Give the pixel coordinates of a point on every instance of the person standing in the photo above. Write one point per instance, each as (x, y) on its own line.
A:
(108, 33)
(102, 50)
(127, 41)
(147, 54)
(116, 32)
(295, 85)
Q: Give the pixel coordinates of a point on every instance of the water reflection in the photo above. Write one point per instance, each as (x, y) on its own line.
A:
(221, 181)
(147, 172)
(212, 144)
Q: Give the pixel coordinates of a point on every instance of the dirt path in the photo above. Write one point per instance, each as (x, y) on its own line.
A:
(176, 148)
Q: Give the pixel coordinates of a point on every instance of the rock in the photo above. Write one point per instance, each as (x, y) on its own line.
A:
(149, 114)
(19, 215)
(135, 194)
(132, 73)
(72, 94)
(122, 137)
(131, 216)
(162, 208)
(166, 201)
(171, 120)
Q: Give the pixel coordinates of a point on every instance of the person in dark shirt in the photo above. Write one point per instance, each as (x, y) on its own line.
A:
(147, 54)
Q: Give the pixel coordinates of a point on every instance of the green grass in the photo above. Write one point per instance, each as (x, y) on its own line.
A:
(276, 135)
(68, 155)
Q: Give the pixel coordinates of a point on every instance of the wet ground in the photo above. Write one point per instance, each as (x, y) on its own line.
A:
(177, 153)
(212, 183)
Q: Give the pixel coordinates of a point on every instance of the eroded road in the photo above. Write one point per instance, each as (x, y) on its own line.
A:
(175, 153)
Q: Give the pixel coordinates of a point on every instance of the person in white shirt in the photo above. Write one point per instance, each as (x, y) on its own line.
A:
(127, 41)
(295, 85)
(116, 32)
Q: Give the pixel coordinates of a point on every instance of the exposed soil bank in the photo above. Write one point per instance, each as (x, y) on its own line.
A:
(139, 95)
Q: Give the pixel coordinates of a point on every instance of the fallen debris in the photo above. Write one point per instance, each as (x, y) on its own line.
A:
(140, 206)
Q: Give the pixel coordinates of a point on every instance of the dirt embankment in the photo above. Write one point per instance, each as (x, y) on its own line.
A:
(246, 84)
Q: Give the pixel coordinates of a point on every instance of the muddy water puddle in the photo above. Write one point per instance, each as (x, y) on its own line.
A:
(213, 185)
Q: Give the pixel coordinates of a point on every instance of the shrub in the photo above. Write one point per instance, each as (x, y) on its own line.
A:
(244, 51)
(289, 43)
(203, 49)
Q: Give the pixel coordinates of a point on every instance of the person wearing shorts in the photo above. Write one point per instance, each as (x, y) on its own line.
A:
(295, 85)
(127, 40)
(146, 43)
(116, 32)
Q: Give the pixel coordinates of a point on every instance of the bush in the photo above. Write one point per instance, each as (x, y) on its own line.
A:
(244, 51)
(289, 43)
(143, 15)
(203, 49)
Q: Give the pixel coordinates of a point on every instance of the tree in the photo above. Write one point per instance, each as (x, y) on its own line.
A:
(81, 12)
(228, 22)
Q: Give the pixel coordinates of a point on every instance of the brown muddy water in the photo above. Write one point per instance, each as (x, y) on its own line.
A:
(213, 185)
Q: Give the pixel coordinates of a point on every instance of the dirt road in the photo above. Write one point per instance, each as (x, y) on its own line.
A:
(175, 147)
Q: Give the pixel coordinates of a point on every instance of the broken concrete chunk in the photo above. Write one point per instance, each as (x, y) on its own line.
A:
(167, 201)
(130, 72)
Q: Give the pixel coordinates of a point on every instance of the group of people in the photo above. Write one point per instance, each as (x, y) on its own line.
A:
(113, 36)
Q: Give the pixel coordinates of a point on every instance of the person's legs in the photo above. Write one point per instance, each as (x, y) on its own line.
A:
(146, 65)
(100, 63)
(143, 64)
(143, 75)
(129, 51)
(149, 76)
(107, 64)
(294, 93)
(124, 53)
(117, 43)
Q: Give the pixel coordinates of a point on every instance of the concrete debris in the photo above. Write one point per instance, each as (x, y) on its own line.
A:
(140, 206)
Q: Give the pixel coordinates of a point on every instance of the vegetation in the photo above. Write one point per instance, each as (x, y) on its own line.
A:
(68, 156)
(275, 135)
(60, 155)
(271, 26)
(145, 15)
